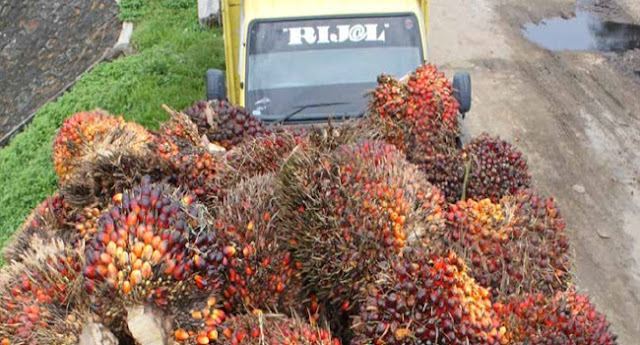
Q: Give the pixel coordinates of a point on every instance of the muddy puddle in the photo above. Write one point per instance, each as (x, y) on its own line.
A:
(584, 32)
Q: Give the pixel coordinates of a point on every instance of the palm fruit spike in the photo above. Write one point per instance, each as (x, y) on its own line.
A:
(487, 167)
(333, 135)
(567, 318)
(45, 222)
(225, 124)
(258, 328)
(142, 253)
(76, 132)
(180, 125)
(177, 136)
(113, 163)
(419, 299)
(42, 300)
(350, 209)
(516, 246)
(419, 116)
(260, 271)
(260, 156)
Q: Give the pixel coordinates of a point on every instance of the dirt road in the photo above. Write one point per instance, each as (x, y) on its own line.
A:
(577, 117)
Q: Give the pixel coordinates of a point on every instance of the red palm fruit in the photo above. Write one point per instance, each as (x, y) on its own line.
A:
(76, 133)
(197, 319)
(258, 328)
(422, 299)
(41, 297)
(260, 272)
(419, 115)
(567, 318)
(517, 245)
(225, 124)
(345, 211)
(431, 92)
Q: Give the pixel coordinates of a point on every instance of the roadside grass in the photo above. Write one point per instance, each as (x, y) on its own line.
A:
(173, 53)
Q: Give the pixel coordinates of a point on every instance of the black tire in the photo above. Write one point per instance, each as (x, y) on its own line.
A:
(462, 91)
(216, 86)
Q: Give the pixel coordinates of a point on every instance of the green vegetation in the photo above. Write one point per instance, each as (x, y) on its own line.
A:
(173, 53)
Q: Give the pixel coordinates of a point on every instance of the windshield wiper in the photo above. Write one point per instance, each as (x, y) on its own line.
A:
(303, 107)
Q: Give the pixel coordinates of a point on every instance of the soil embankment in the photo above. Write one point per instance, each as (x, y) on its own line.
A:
(44, 46)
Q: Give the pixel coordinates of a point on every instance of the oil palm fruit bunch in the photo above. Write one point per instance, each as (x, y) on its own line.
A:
(193, 166)
(143, 252)
(47, 221)
(259, 328)
(112, 163)
(422, 299)
(567, 318)
(346, 210)
(175, 137)
(262, 155)
(333, 135)
(200, 172)
(516, 246)
(387, 113)
(223, 123)
(180, 126)
(261, 272)
(77, 132)
(497, 168)
(418, 115)
(487, 167)
(42, 300)
(447, 172)
(430, 96)
(431, 92)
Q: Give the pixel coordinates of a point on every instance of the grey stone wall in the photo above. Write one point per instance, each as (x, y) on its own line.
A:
(45, 45)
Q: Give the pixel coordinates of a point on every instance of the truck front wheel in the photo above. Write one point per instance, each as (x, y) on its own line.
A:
(462, 91)
(216, 86)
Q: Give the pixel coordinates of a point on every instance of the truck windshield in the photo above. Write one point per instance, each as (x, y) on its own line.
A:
(308, 70)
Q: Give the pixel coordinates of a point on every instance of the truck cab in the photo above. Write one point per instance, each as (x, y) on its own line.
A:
(311, 60)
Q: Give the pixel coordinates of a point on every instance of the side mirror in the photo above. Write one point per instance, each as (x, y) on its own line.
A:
(216, 84)
(462, 91)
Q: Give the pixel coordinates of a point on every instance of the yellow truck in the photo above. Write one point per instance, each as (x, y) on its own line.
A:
(304, 61)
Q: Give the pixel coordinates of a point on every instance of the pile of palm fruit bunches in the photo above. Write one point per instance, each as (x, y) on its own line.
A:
(218, 229)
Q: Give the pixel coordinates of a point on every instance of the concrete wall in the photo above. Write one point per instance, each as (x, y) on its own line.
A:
(45, 45)
(208, 12)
